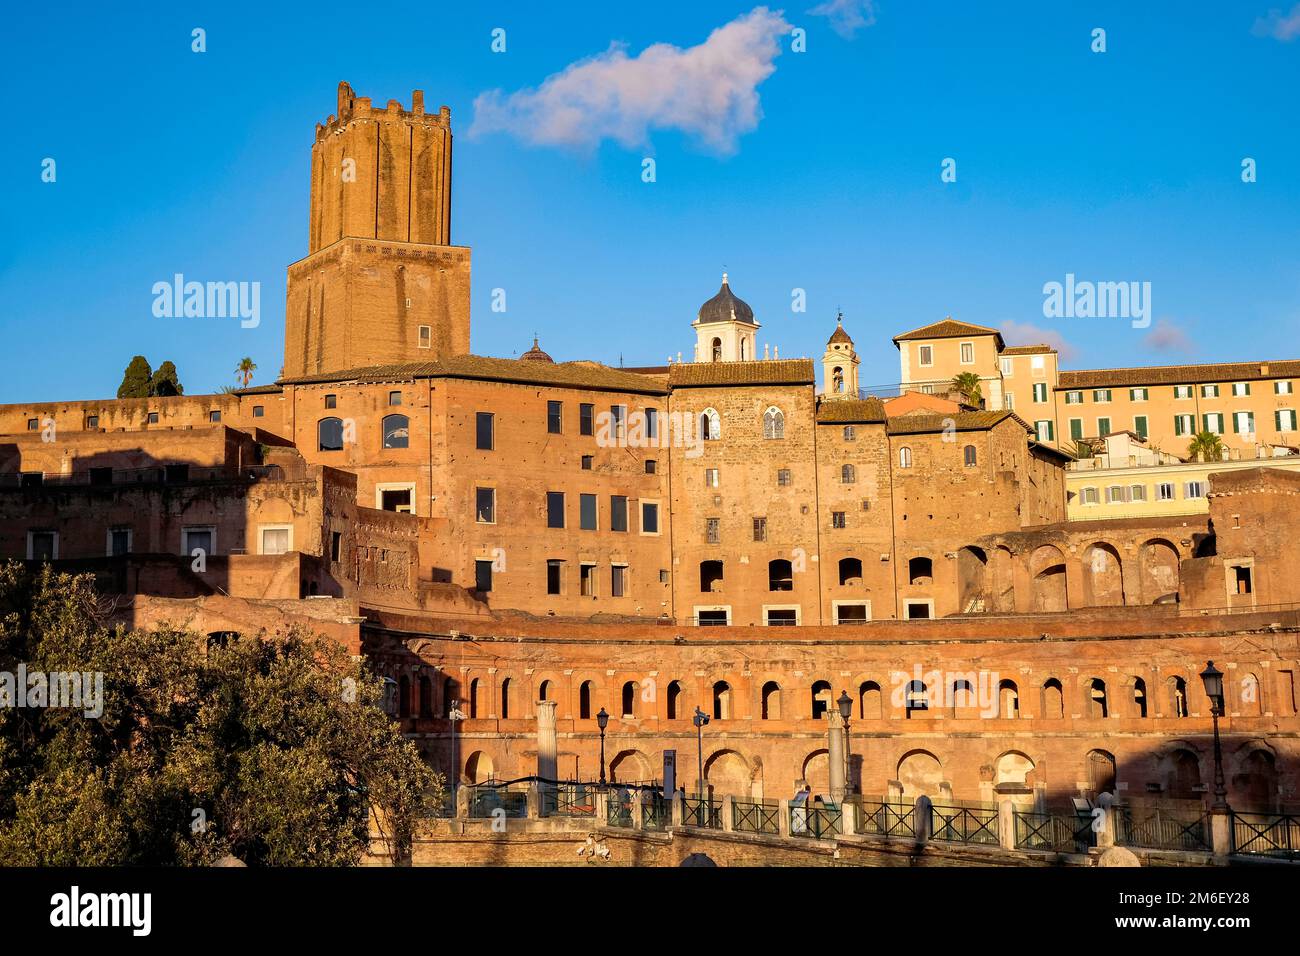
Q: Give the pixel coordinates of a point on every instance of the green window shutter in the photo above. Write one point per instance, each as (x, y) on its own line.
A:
(1248, 388)
(1076, 428)
(1141, 425)
(1277, 421)
(1051, 429)
(1236, 427)
(1205, 422)
(1178, 424)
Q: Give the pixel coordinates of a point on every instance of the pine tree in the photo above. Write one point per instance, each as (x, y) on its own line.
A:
(135, 380)
(165, 381)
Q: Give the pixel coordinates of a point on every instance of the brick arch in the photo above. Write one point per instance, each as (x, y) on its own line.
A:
(1159, 570)
(921, 774)
(630, 766)
(1048, 579)
(727, 772)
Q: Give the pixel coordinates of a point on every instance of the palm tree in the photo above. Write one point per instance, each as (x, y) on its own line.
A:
(244, 371)
(1206, 446)
(968, 384)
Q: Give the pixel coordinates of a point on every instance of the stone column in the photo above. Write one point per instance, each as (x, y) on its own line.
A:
(546, 745)
(835, 754)
(1221, 833)
(638, 820)
(728, 812)
(1007, 825)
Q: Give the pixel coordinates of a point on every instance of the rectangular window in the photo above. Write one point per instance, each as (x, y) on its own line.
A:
(587, 512)
(1284, 419)
(214, 416)
(1194, 489)
(119, 542)
(426, 336)
(1074, 398)
(152, 418)
(586, 462)
(1281, 388)
(485, 505)
(651, 466)
(967, 353)
(92, 421)
(201, 538)
(554, 576)
(710, 477)
(618, 421)
(1040, 392)
(783, 477)
(275, 540)
(258, 412)
(925, 355)
(555, 509)
(1138, 394)
(1184, 424)
(1103, 427)
(1076, 428)
(331, 401)
(394, 398)
(1212, 422)
(336, 545)
(484, 428)
(1116, 495)
(1182, 391)
(1240, 389)
(649, 517)
(587, 580)
(652, 424)
(617, 513)
(1008, 401)
(1045, 430)
(1007, 367)
(1165, 491)
(42, 545)
(1140, 425)
(554, 417)
(850, 433)
(1137, 493)
(713, 530)
(782, 617)
(1243, 423)
(837, 519)
(1088, 496)
(1101, 395)
(1209, 391)
(586, 415)
(482, 575)
(617, 580)
(760, 529)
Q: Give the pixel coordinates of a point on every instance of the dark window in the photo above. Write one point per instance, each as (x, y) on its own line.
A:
(783, 477)
(43, 545)
(586, 462)
(920, 571)
(585, 415)
(483, 431)
(587, 580)
(618, 420)
(837, 519)
(336, 545)
(849, 433)
(331, 401)
(617, 580)
(485, 505)
(617, 513)
(329, 434)
(101, 476)
(33, 424)
(780, 575)
(710, 576)
(395, 499)
(482, 575)
(968, 455)
(587, 512)
(258, 411)
(850, 571)
(31, 479)
(760, 529)
(555, 511)
(712, 618)
(214, 415)
(784, 617)
(554, 417)
(649, 518)
(394, 398)
(92, 421)
(652, 423)
(650, 466)
(554, 576)
(173, 474)
(713, 530)
(152, 418)
(120, 541)
(397, 431)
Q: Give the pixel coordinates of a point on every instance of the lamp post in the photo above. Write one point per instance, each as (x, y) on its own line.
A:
(845, 704)
(700, 719)
(1212, 677)
(602, 720)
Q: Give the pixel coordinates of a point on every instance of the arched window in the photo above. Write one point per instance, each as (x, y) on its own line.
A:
(1177, 697)
(869, 700)
(1096, 698)
(710, 425)
(744, 353)
(920, 571)
(1008, 699)
(404, 696)
(961, 699)
(717, 350)
(545, 691)
(426, 696)
(837, 377)
(850, 571)
(773, 423)
(674, 700)
(397, 431)
(918, 698)
(771, 701)
(780, 575)
(584, 700)
(848, 474)
(1053, 699)
(1140, 696)
(821, 699)
(710, 576)
(450, 695)
(506, 687)
(904, 457)
(721, 700)
(329, 434)
(1252, 703)
(629, 698)
(968, 456)
(474, 688)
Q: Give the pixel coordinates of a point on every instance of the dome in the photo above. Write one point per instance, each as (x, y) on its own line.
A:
(839, 335)
(725, 307)
(535, 354)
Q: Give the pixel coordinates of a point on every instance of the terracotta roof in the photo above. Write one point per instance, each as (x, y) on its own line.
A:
(1027, 349)
(962, 422)
(839, 335)
(850, 411)
(760, 372)
(563, 375)
(949, 328)
(535, 354)
(1179, 374)
(258, 390)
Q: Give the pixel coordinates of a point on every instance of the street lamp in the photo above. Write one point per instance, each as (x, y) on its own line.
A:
(700, 719)
(602, 721)
(1212, 677)
(845, 704)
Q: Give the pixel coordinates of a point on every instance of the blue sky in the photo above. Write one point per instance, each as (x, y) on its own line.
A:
(1115, 166)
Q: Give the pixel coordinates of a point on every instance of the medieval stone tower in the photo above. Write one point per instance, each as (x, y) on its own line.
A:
(381, 283)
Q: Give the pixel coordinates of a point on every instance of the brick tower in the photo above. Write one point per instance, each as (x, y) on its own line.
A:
(381, 282)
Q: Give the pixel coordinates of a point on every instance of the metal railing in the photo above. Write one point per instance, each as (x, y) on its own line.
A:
(618, 811)
(487, 800)
(568, 800)
(656, 812)
(755, 817)
(964, 824)
(886, 819)
(702, 812)
(815, 822)
(1064, 833)
(1267, 834)
(1161, 829)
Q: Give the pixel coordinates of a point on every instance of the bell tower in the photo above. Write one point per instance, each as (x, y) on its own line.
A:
(382, 282)
(725, 330)
(840, 364)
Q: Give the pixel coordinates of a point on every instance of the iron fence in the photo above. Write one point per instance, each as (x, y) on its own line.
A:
(1161, 829)
(486, 801)
(618, 809)
(702, 812)
(755, 817)
(1267, 834)
(886, 819)
(568, 800)
(1051, 831)
(815, 822)
(656, 812)
(964, 824)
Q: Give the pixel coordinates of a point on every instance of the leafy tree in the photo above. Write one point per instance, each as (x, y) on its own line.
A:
(1206, 446)
(968, 385)
(244, 371)
(165, 381)
(270, 748)
(135, 379)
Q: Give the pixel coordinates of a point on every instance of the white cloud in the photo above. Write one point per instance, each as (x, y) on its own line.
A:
(1024, 333)
(1280, 26)
(1167, 337)
(847, 17)
(709, 92)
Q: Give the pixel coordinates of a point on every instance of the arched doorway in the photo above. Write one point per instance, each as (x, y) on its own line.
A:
(1103, 576)
(1158, 577)
(973, 581)
(478, 767)
(920, 773)
(817, 773)
(630, 766)
(1101, 773)
(1047, 569)
(727, 773)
